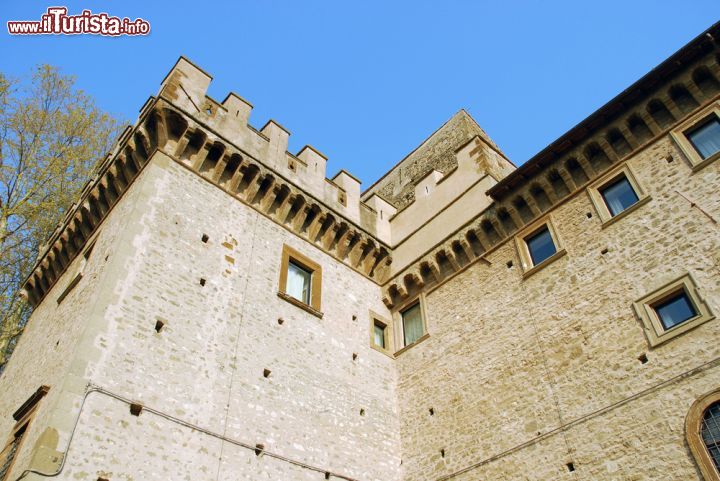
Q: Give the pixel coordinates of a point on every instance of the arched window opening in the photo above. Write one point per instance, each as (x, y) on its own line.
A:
(702, 429)
(710, 433)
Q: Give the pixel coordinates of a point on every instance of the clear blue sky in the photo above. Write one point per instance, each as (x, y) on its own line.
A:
(366, 81)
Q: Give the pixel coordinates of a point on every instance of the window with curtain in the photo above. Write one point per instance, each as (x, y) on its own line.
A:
(540, 246)
(675, 310)
(706, 138)
(710, 433)
(412, 324)
(619, 195)
(298, 282)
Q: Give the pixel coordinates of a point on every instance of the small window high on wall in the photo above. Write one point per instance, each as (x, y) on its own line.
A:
(706, 137)
(699, 136)
(538, 245)
(412, 324)
(616, 194)
(300, 281)
(672, 309)
(23, 417)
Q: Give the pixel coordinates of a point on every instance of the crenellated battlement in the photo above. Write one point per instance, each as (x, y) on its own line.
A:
(186, 87)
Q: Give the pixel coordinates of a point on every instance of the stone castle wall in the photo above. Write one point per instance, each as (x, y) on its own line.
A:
(510, 360)
(546, 375)
(206, 365)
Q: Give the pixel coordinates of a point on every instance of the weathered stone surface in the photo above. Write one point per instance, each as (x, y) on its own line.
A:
(537, 374)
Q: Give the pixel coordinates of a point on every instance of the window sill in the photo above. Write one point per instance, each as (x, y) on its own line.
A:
(705, 162)
(382, 350)
(300, 304)
(544, 263)
(420, 339)
(70, 287)
(611, 220)
(655, 339)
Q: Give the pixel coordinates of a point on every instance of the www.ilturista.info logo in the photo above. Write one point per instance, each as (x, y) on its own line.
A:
(57, 22)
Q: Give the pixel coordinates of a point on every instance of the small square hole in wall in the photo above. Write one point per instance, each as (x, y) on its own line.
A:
(281, 321)
(570, 467)
(432, 411)
(355, 356)
(266, 373)
(362, 412)
(643, 358)
(327, 475)
(136, 409)
(159, 325)
(669, 159)
(442, 453)
(342, 198)
(202, 281)
(354, 317)
(291, 165)
(604, 251)
(205, 238)
(259, 448)
(589, 215)
(509, 264)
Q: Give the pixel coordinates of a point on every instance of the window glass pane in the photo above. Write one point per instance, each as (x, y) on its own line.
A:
(380, 335)
(298, 283)
(710, 432)
(541, 246)
(706, 138)
(619, 196)
(675, 310)
(412, 324)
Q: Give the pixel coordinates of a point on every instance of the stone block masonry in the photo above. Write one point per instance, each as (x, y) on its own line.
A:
(171, 346)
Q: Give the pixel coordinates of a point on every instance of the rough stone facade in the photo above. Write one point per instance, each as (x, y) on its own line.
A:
(172, 351)
(437, 152)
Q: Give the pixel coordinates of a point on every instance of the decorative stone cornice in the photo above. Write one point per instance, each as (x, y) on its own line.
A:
(165, 127)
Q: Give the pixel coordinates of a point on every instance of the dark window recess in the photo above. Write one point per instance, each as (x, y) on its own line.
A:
(541, 246)
(10, 452)
(710, 432)
(619, 195)
(706, 138)
(675, 310)
(379, 334)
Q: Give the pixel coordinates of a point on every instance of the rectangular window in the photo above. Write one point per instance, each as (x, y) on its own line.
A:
(412, 323)
(619, 195)
(380, 334)
(7, 456)
(23, 416)
(699, 136)
(672, 309)
(675, 310)
(706, 138)
(616, 194)
(540, 246)
(298, 282)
